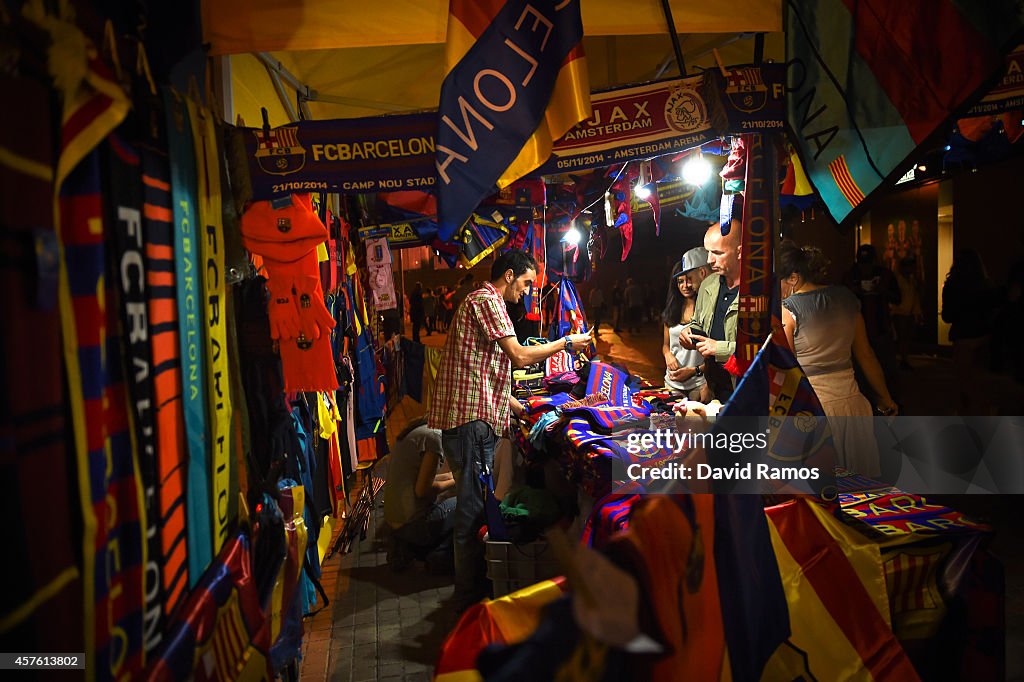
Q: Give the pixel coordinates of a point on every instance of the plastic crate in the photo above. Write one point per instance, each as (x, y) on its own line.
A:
(511, 567)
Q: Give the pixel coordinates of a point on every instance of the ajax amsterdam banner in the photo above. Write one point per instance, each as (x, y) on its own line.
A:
(390, 153)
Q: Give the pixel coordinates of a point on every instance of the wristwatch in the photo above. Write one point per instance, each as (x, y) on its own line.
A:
(697, 371)
(568, 344)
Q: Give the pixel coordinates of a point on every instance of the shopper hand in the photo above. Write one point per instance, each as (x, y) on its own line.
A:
(680, 374)
(687, 340)
(705, 346)
(580, 340)
(888, 408)
(671, 364)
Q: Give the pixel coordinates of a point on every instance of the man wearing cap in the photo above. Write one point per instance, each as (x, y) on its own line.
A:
(684, 368)
(717, 306)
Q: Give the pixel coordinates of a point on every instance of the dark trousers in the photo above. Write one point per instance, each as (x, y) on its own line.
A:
(430, 535)
(470, 452)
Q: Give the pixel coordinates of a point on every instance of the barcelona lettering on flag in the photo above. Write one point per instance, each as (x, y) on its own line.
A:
(516, 81)
(870, 81)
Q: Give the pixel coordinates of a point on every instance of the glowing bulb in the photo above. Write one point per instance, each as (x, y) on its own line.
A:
(922, 168)
(696, 171)
(572, 236)
(642, 192)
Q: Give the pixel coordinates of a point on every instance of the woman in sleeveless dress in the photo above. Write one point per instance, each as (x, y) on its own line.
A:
(826, 331)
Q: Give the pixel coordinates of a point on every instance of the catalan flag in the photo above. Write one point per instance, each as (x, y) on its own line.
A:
(516, 81)
(872, 80)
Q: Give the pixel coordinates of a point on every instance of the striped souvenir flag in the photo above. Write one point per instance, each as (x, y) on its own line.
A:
(838, 605)
(506, 620)
(517, 80)
(872, 80)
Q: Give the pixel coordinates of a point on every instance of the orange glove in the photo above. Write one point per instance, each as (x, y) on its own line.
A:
(314, 318)
(282, 309)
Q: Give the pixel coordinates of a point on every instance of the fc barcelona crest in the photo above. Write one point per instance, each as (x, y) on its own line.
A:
(278, 150)
(746, 89)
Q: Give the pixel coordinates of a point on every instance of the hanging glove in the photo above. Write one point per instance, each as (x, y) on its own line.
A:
(282, 309)
(314, 318)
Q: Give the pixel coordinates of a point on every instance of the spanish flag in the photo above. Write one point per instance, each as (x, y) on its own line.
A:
(516, 81)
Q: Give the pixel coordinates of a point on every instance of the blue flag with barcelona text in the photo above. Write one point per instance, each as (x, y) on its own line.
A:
(516, 81)
(869, 81)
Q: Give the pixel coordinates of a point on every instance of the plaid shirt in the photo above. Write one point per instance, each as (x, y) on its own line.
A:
(475, 377)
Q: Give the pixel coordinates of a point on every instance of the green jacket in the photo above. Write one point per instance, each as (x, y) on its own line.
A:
(704, 315)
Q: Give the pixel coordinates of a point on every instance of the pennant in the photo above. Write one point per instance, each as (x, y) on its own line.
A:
(516, 81)
(480, 238)
(842, 55)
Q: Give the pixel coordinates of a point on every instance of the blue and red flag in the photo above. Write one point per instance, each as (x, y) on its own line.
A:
(569, 315)
(775, 386)
(871, 80)
(517, 80)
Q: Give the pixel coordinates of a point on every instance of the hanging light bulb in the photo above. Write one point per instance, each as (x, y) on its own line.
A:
(696, 171)
(572, 236)
(642, 192)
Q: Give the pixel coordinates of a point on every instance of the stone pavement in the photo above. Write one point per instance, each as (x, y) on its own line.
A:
(380, 625)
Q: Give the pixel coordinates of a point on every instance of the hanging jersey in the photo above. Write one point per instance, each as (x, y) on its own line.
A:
(190, 315)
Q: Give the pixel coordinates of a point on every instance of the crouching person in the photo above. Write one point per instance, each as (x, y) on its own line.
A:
(419, 500)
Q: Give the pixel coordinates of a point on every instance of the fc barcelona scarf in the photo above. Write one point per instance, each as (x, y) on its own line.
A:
(211, 253)
(189, 287)
(111, 493)
(124, 193)
(757, 282)
(172, 453)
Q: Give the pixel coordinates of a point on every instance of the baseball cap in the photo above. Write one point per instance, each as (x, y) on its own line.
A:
(696, 257)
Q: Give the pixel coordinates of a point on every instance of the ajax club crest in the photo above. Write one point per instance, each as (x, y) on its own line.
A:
(746, 89)
(278, 150)
(685, 110)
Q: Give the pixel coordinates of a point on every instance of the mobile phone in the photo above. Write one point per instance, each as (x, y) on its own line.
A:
(697, 331)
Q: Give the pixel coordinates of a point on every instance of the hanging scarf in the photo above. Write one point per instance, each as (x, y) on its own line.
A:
(190, 316)
(211, 255)
(124, 192)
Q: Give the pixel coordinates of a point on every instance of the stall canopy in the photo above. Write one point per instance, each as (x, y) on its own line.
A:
(366, 59)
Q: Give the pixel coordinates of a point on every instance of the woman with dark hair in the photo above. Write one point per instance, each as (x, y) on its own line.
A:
(969, 306)
(683, 368)
(825, 329)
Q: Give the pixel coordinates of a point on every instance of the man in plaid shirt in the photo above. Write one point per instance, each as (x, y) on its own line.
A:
(473, 397)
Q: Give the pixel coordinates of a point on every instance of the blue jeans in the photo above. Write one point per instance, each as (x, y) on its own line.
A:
(469, 449)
